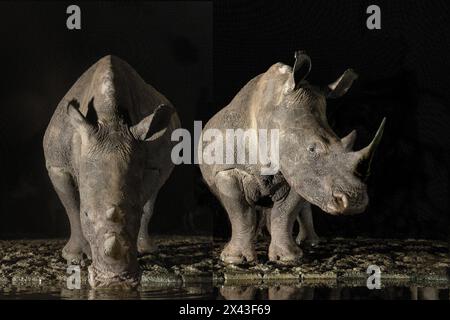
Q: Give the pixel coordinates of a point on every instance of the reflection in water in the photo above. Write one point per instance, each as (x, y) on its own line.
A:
(297, 292)
(86, 293)
(251, 292)
(290, 293)
(426, 293)
(238, 293)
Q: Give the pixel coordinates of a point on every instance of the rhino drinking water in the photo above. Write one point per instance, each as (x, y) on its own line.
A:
(107, 151)
(315, 165)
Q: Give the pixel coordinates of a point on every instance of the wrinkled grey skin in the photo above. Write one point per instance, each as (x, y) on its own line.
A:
(107, 151)
(316, 166)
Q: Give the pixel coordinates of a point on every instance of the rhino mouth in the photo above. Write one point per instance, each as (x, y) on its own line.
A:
(108, 279)
(346, 203)
(340, 202)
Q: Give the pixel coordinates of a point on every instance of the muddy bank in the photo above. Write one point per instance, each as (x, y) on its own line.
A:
(184, 260)
(345, 261)
(39, 262)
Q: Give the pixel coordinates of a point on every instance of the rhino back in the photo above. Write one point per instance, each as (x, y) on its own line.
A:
(250, 109)
(112, 88)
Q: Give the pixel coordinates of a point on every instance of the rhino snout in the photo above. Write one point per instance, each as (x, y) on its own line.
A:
(114, 263)
(343, 203)
(106, 279)
(339, 202)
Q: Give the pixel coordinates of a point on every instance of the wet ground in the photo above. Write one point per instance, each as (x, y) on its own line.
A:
(187, 267)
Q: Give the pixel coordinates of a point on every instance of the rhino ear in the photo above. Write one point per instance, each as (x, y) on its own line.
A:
(153, 126)
(301, 69)
(342, 85)
(76, 118)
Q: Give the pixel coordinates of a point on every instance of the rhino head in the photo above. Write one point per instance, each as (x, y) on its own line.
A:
(319, 165)
(111, 189)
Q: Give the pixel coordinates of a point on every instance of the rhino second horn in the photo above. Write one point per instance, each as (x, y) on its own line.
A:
(112, 247)
(366, 155)
(112, 214)
(349, 140)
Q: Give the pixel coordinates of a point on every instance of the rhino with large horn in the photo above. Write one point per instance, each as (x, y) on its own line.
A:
(315, 165)
(107, 151)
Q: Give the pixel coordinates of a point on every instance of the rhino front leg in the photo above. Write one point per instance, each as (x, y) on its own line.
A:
(68, 194)
(282, 246)
(306, 231)
(152, 179)
(145, 244)
(241, 247)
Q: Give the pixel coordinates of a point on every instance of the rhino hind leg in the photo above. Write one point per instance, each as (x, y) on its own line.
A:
(306, 233)
(241, 247)
(145, 244)
(65, 187)
(264, 223)
(282, 247)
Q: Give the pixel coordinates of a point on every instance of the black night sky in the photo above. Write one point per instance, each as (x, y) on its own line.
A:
(168, 44)
(404, 75)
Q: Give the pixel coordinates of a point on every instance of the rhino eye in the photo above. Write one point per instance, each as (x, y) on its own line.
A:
(312, 148)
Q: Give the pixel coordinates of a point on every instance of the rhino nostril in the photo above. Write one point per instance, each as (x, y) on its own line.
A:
(341, 200)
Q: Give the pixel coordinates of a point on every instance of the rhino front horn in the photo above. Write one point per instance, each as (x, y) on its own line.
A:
(112, 247)
(365, 155)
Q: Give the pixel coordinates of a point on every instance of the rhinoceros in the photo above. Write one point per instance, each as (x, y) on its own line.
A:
(315, 165)
(107, 152)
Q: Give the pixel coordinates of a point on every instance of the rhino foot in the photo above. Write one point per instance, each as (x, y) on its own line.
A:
(311, 240)
(238, 254)
(285, 253)
(146, 246)
(76, 250)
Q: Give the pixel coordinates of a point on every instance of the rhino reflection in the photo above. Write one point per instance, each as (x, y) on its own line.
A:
(281, 292)
(426, 293)
(290, 293)
(238, 293)
(297, 292)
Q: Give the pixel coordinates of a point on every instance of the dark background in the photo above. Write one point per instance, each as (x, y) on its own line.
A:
(404, 73)
(168, 44)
